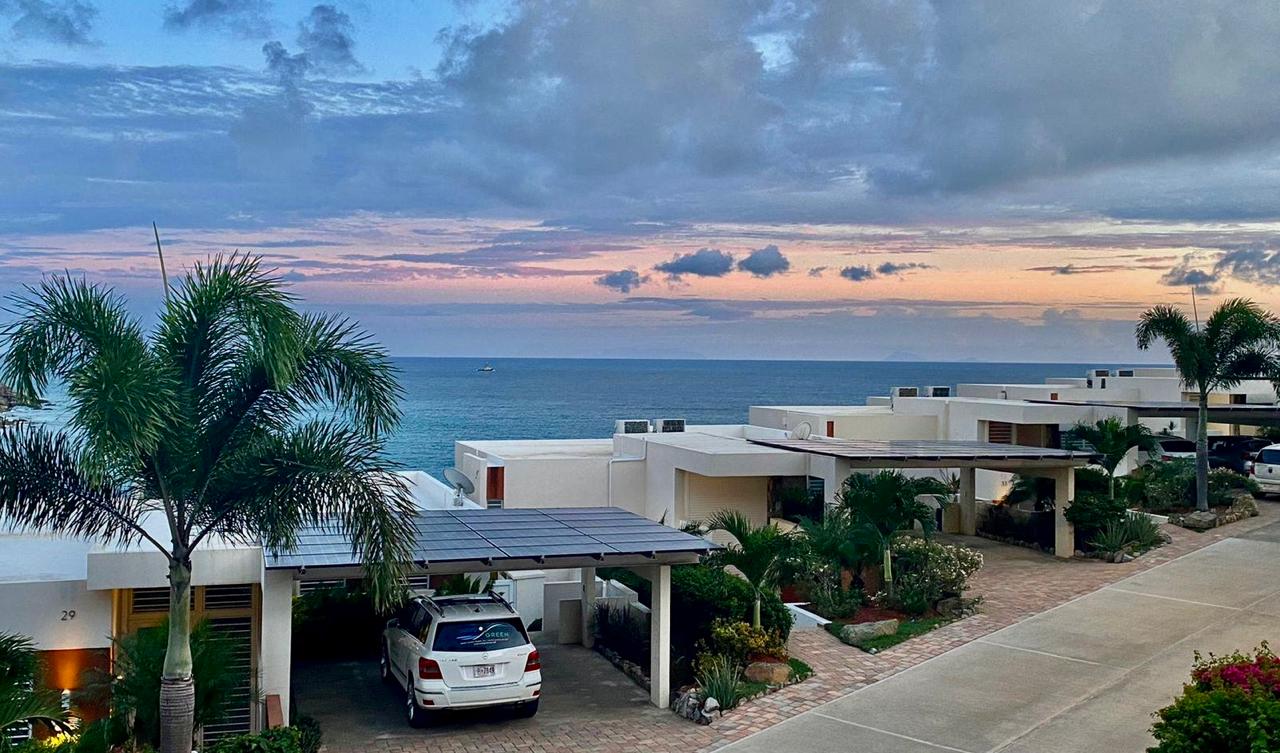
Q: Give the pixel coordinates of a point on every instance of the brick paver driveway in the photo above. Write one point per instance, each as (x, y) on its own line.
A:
(596, 709)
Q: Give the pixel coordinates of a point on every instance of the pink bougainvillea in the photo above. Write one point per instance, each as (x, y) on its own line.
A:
(1257, 672)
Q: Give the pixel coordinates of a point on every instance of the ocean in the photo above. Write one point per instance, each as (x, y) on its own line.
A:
(524, 398)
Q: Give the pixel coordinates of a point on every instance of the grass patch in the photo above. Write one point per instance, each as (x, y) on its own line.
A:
(907, 630)
(799, 670)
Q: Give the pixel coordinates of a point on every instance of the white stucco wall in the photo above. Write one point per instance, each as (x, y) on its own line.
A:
(57, 614)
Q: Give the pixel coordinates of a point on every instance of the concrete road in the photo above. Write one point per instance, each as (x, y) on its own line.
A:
(1083, 677)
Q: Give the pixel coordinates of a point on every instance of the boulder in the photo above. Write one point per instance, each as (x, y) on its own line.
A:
(863, 630)
(1200, 520)
(768, 672)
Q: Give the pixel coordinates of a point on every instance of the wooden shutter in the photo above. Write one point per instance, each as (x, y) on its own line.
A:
(496, 485)
(831, 428)
(999, 432)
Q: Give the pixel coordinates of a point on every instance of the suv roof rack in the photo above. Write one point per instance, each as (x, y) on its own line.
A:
(488, 597)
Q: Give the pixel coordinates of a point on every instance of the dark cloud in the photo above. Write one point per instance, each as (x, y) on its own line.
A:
(705, 262)
(245, 18)
(1254, 263)
(817, 271)
(765, 262)
(327, 38)
(66, 22)
(623, 281)
(858, 273)
(1157, 262)
(1187, 275)
(896, 268)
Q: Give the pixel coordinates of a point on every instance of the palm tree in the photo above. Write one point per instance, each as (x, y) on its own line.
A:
(21, 701)
(1237, 343)
(235, 417)
(757, 552)
(1112, 440)
(883, 504)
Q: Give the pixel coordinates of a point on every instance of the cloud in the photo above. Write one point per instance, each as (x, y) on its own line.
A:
(765, 262)
(327, 38)
(66, 22)
(244, 18)
(1186, 275)
(705, 262)
(817, 271)
(896, 268)
(858, 273)
(1253, 263)
(623, 281)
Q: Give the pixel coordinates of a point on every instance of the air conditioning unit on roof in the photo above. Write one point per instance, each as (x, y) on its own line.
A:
(937, 391)
(1099, 373)
(669, 425)
(1124, 372)
(906, 392)
(632, 426)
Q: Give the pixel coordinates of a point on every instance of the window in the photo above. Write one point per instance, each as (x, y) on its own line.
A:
(421, 624)
(1269, 457)
(481, 635)
(999, 432)
(1177, 445)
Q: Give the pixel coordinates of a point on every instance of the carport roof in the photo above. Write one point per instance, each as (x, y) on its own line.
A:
(939, 453)
(599, 535)
(1176, 409)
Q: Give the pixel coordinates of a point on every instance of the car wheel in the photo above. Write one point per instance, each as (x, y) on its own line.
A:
(413, 714)
(384, 664)
(527, 710)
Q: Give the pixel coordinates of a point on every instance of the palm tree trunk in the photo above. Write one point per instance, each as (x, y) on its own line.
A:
(177, 689)
(1202, 454)
(755, 613)
(1111, 485)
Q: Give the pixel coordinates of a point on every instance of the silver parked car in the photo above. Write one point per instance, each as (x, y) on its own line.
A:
(459, 652)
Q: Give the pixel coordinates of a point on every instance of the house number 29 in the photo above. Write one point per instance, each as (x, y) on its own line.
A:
(68, 615)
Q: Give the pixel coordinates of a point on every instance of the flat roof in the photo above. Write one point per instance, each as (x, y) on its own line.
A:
(931, 453)
(541, 448)
(484, 537)
(1173, 408)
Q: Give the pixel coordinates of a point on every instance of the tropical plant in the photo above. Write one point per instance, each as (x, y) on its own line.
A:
(1132, 534)
(1237, 342)
(1112, 440)
(743, 643)
(720, 677)
(133, 686)
(235, 417)
(275, 740)
(882, 504)
(756, 553)
(22, 701)
(928, 571)
(1232, 705)
(830, 550)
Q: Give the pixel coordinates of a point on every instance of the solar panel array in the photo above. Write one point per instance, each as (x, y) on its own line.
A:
(921, 449)
(465, 535)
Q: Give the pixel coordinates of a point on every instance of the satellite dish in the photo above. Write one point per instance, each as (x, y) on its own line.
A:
(802, 431)
(460, 483)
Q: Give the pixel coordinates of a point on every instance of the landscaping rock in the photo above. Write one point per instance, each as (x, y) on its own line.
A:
(852, 634)
(688, 706)
(1201, 520)
(710, 705)
(768, 672)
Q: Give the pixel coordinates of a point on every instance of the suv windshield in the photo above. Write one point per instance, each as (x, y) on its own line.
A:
(481, 635)
(1177, 445)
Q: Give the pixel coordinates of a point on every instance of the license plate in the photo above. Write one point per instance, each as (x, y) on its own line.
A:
(483, 670)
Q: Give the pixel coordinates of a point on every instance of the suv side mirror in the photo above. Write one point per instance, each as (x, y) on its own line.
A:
(394, 622)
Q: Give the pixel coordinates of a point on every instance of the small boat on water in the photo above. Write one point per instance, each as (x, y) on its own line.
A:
(487, 368)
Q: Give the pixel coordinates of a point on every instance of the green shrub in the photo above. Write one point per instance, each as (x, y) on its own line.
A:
(926, 571)
(720, 678)
(700, 594)
(277, 740)
(1224, 481)
(1232, 705)
(134, 689)
(828, 600)
(309, 735)
(1133, 534)
(742, 643)
(321, 614)
(1170, 486)
(1092, 513)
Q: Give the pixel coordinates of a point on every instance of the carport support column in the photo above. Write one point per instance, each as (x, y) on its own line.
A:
(968, 501)
(277, 636)
(660, 636)
(588, 605)
(1064, 491)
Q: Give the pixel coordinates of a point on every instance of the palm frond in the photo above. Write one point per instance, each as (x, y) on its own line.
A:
(82, 334)
(46, 484)
(757, 551)
(343, 366)
(322, 474)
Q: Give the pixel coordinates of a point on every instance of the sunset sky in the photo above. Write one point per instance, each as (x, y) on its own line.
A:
(722, 178)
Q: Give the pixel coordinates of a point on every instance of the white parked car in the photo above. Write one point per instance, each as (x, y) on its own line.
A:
(460, 652)
(1172, 448)
(1266, 469)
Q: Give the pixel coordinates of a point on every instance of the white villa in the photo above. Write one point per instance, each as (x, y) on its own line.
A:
(73, 596)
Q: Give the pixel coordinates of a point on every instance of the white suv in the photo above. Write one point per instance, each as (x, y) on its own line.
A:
(460, 652)
(1266, 469)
